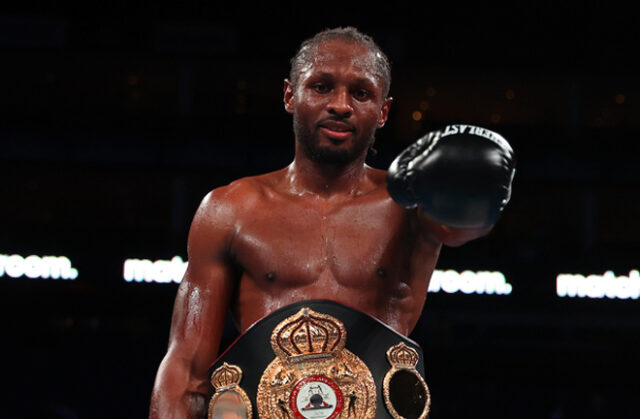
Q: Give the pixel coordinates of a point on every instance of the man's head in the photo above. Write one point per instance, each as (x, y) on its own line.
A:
(306, 52)
(337, 95)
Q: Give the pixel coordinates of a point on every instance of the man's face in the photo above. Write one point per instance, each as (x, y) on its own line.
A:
(337, 103)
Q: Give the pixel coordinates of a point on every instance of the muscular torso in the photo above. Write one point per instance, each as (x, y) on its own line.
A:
(362, 250)
(264, 242)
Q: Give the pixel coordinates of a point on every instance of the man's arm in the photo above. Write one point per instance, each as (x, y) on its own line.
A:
(199, 313)
(453, 237)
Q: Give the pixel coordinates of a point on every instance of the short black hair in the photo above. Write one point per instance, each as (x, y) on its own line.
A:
(349, 33)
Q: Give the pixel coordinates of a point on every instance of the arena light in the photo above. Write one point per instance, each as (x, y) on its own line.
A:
(469, 282)
(159, 271)
(32, 266)
(599, 286)
(510, 94)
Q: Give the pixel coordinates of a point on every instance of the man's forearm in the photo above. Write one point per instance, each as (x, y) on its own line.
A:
(189, 406)
(175, 394)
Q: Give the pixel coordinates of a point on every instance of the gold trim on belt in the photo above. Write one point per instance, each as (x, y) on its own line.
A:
(229, 399)
(406, 394)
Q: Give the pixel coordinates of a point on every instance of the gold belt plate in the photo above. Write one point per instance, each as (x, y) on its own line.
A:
(229, 399)
(313, 376)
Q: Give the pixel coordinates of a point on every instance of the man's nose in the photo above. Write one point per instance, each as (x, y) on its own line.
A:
(340, 103)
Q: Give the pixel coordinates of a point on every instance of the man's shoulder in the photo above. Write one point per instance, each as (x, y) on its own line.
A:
(377, 176)
(243, 192)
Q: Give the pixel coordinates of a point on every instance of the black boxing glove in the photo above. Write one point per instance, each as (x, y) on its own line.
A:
(461, 176)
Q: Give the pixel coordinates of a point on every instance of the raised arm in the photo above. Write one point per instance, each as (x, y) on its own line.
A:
(199, 313)
(453, 237)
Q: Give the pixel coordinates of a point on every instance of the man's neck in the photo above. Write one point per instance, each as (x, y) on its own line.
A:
(327, 180)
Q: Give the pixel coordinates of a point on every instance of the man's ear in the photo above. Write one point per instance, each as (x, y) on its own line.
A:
(384, 112)
(289, 91)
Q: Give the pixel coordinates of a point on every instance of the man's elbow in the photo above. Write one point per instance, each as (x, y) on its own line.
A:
(455, 237)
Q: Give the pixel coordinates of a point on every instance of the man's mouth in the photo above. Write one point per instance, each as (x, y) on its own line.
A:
(336, 130)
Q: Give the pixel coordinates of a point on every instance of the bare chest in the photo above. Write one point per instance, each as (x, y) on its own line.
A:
(294, 245)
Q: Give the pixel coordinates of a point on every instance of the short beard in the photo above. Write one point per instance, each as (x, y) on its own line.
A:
(327, 155)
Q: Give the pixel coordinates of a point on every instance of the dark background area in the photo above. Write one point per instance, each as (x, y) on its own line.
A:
(116, 119)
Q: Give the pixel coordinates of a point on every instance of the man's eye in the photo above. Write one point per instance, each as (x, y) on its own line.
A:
(320, 88)
(361, 94)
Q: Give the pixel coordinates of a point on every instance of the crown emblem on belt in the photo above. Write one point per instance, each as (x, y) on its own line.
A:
(308, 335)
(226, 376)
(402, 356)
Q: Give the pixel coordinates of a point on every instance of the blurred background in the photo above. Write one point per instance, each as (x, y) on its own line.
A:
(117, 118)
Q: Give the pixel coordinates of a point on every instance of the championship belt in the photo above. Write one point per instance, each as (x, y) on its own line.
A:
(319, 359)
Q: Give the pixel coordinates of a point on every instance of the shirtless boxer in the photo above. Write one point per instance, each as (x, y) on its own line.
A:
(326, 226)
